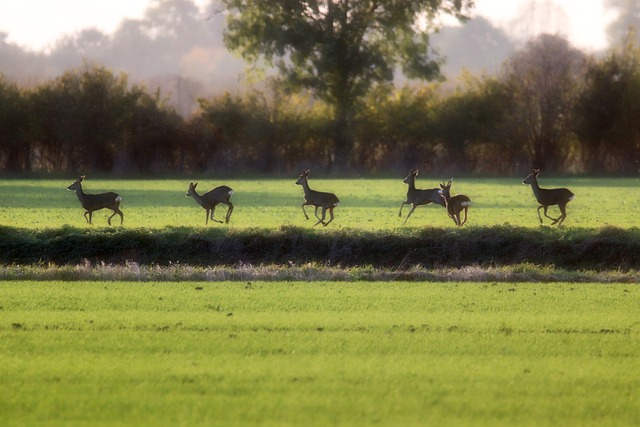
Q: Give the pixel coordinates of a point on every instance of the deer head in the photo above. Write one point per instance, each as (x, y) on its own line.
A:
(411, 177)
(76, 184)
(446, 188)
(192, 189)
(303, 177)
(531, 177)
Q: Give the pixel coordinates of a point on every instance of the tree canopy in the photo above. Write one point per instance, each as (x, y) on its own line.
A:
(340, 48)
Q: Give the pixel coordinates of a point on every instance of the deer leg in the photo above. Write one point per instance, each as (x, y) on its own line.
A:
(465, 217)
(316, 213)
(207, 216)
(88, 219)
(402, 206)
(413, 208)
(304, 212)
(331, 215)
(563, 211)
(213, 210)
(230, 205)
(116, 211)
(545, 210)
(321, 220)
(552, 219)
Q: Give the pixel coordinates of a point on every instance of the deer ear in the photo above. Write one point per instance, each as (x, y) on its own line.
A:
(82, 177)
(306, 172)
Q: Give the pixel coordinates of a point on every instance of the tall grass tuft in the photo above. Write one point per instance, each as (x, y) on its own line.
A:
(243, 272)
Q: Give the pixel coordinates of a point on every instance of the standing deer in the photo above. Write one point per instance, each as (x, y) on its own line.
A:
(549, 197)
(95, 202)
(211, 199)
(456, 204)
(416, 197)
(318, 199)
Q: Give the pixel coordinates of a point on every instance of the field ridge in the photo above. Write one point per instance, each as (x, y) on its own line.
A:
(602, 249)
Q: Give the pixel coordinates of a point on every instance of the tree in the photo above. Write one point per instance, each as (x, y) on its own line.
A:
(339, 48)
(608, 110)
(628, 20)
(470, 124)
(15, 149)
(543, 79)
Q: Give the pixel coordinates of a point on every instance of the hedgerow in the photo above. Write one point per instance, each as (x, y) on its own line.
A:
(602, 249)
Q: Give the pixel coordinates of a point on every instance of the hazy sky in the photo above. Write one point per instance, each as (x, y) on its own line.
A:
(37, 24)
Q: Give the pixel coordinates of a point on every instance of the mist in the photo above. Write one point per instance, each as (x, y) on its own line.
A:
(178, 49)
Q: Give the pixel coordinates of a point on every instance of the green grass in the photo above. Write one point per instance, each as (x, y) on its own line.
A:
(318, 353)
(271, 203)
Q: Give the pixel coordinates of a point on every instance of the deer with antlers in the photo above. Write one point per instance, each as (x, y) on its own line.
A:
(456, 204)
(211, 199)
(417, 197)
(549, 197)
(318, 199)
(95, 202)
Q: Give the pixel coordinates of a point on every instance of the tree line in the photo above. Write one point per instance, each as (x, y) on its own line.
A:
(549, 107)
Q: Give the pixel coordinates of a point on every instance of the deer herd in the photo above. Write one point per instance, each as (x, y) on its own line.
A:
(454, 205)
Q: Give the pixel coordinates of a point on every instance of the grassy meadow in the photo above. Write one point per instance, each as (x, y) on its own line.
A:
(318, 353)
(271, 203)
(228, 349)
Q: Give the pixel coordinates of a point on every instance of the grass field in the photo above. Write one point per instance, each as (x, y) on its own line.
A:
(322, 353)
(108, 352)
(271, 203)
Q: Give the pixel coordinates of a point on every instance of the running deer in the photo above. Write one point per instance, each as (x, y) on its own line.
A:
(549, 197)
(416, 197)
(95, 202)
(211, 199)
(318, 199)
(456, 204)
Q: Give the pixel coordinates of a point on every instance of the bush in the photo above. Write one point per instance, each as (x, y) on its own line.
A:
(574, 249)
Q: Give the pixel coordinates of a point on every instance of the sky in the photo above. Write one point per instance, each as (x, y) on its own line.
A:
(37, 24)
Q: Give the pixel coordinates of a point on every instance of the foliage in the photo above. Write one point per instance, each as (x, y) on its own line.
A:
(90, 119)
(318, 353)
(605, 249)
(627, 20)
(542, 79)
(607, 112)
(541, 110)
(470, 128)
(14, 122)
(339, 50)
(396, 128)
(262, 132)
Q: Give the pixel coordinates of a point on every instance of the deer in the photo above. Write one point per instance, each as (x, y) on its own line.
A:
(318, 199)
(417, 197)
(95, 202)
(456, 204)
(211, 199)
(549, 197)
